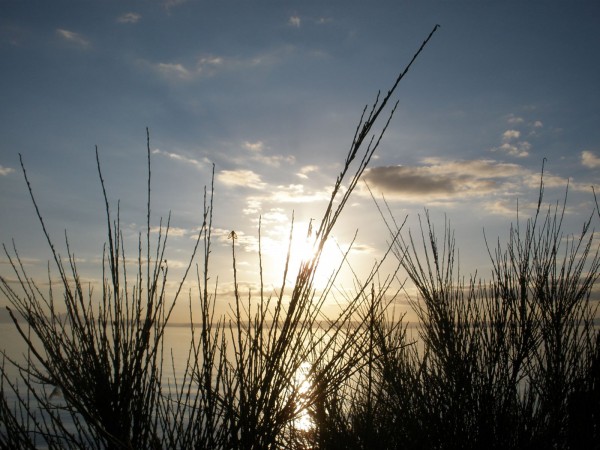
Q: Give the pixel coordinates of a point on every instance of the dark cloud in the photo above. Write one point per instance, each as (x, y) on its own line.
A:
(440, 180)
(409, 180)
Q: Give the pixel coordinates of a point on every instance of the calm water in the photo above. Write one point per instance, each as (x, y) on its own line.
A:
(177, 341)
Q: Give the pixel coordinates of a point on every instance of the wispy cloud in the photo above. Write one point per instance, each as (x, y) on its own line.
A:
(129, 17)
(248, 242)
(173, 3)
(305, 170)
(295, 21)
(589, 159)
(204, 67)
(519, 149)
(173, 231)
(297, 193)
(72, 37)
(207, 66)
(170, 70)
(178, 157)
(254, 146)
(241, 178)
(513, 119)
(257, 154)
(282, 194)
(5, 170)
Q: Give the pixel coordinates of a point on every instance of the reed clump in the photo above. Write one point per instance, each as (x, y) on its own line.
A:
(513, 362)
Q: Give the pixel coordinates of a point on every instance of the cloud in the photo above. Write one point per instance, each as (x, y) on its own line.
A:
(254, 146)
(247, 242)
(72, 37)
(129, 17)
(538, 124)
(205, 67)
(257, 148)
(178, 157)
(173, 231)
(5, 170)
(173, 3)
(304, 171)
(441, 180)
(494, 185)
(509, 135)
(589, 159)
(294, 21)
(512, 119)
(510, 142)
(296, 193)
(519, 149)
(211, 65)
(174, 70)
(241, 178)
(281, 194)
(208, 65)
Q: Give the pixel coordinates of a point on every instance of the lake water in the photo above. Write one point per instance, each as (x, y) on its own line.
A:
(177, 341)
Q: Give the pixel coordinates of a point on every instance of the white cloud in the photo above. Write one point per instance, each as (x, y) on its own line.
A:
(290, 194)
(509, 135)
(247, 242)
(296, 193)
(257, 146)
(210, 60)
(74, 38)
(512, 119)
(174, 70)
(538, 124)
(205, 67)
(129, 17)
(176, 156)
(589, 159)
(5, 170)
(173, 231)
(209, 66)
(257, 149)
(242, 178)
(304, 171)
(295, 21)
(510, 143)
(519, 149)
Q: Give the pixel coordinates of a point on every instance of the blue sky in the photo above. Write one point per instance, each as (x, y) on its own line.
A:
(271, 92)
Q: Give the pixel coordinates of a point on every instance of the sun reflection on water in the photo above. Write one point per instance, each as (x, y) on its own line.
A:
(303, 422)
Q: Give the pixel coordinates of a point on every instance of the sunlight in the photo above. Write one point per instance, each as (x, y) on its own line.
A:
(304, 249)
(303, 421)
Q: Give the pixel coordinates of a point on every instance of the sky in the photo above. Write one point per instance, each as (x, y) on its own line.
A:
(270, 92)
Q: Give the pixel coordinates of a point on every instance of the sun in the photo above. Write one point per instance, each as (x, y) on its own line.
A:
(304, 250)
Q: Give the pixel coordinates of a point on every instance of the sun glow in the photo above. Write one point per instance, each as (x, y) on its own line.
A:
(304, 251)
